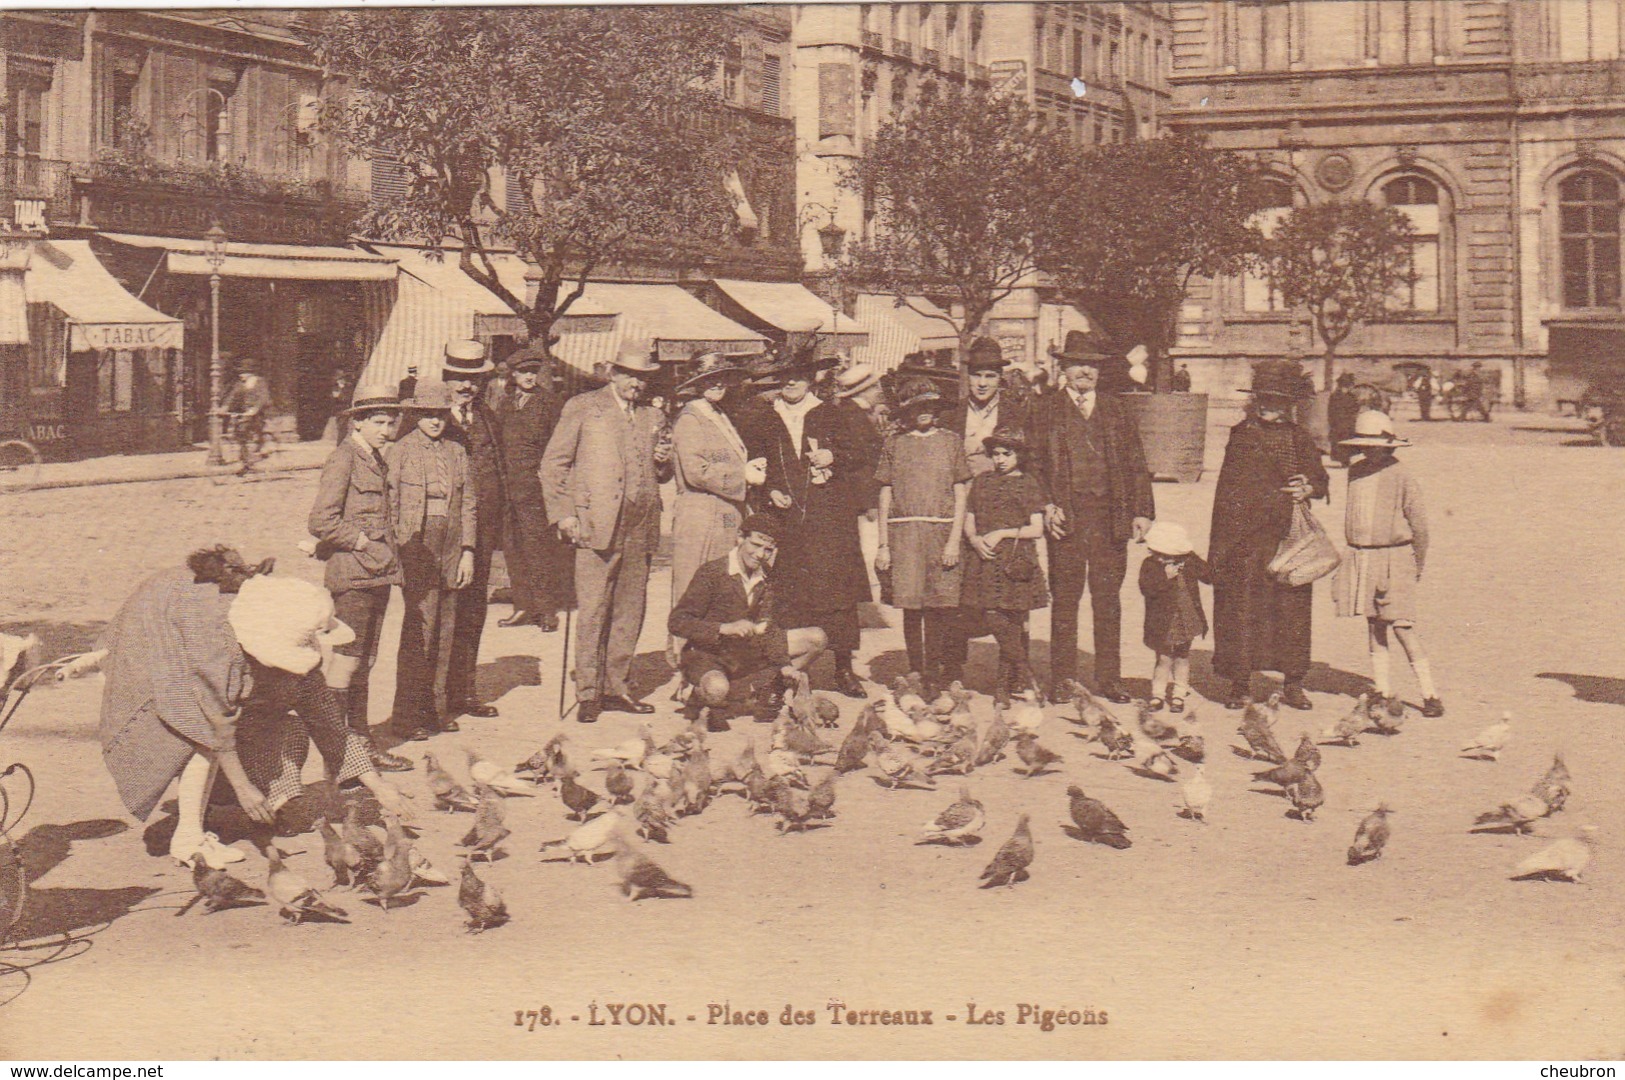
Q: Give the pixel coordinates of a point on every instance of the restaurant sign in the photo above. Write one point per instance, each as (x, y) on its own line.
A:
(166, 212)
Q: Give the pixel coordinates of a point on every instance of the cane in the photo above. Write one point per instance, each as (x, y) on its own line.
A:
(564, 665)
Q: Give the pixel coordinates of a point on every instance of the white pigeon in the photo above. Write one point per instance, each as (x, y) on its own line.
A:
(888, 715)
(1198, 793)
(487, 772)
(632, 751)
(1488, 744)
(589, 839)
(1024, 715)
(16, 655)
(1566, 859)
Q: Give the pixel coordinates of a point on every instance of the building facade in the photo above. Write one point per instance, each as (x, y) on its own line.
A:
(1494, 125)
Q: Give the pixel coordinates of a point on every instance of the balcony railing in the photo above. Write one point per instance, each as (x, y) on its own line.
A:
(32, 179)
(872, 39)
(902, 48)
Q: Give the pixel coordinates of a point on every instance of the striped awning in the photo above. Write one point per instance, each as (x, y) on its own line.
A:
(278, 262)
(420, 323)
(489, 316)
(897, 331)
(790, 307)
(100, 313)
(663, 317)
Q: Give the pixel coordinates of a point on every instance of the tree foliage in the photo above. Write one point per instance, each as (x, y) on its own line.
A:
(603, 117)
(1342, 261)
(960, 187)
(1137, 221)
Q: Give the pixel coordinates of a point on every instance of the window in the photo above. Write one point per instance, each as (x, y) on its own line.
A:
(1418, 199)
(1117, 63)
(1588, 239)
(1040, 39)
(772, 80)
(26, 121)
(1100, 132)
(1077, 53)
(1585, 29)
(217, 144)
(1258, 293)
(515, 196)
(389, 187)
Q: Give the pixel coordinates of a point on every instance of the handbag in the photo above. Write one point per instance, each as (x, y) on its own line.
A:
(1017, 560)
(1306, 553)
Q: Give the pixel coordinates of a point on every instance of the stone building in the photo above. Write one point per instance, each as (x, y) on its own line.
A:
(1495, 125)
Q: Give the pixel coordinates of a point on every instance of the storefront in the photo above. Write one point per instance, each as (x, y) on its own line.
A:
(787, 313)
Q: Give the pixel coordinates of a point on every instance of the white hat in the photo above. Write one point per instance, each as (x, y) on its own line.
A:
(285, 623)
(1374, 428)
(1168, 538)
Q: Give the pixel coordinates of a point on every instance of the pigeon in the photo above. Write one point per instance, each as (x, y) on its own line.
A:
(959, 757)
(1255, 727)
(1564, 860)
(1095, 821)
(923, 725)
(546, 763)
(962, 821)
(1488, 744)
(906, 693)
(1197, 793)
(1389, 718)
(1159, 762)
(1024, 713)
(653, 816)
(1553, 788)
(618, 783)
(370, 847)
(449, 795)
(944, 703)
(855, 747)
(589, 839)
(393, 875)
(422, 869)
(578, 798)
(1306, 796)
(897, 769)
(1090, 711)
(1283, 775)
(1155, 728)
(693, 782)
(1348, 730)
(1370, 837)
(293, 893)
(340, 855)
(800, 740)
(1191, 748)
(492, 775)
(782, 764)
(992, 743)
(1010, 864)
(821, 800)
(1307, 754)
(826, 712)
(643, 879)
(631, 752)
(482, 904)
(1037, 758)
(883, 714)
(1118, 740)
(793, 808)
(1518, 814)
(219, 890)
(488, 830)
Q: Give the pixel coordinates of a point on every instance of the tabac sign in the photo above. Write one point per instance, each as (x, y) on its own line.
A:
(153, 335)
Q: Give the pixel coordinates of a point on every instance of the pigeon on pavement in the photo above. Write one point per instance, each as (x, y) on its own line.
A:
(295, 895)
(643, 879)
(961, 821)
(219, 890)
(1256, 728)
(448, 794)
(1370, 837)
(1307, 754)
(341, 856)
(481, 902)
(1488, 744)
(1095, 821)
(1010, 864)
(1565, 860)
(577, 797)
(488, 830)
(1037, 758)
(1349, 729)
(1197, 792)
(1306, 796)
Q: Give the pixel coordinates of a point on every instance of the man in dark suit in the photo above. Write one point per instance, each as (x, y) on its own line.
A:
(539, 563)
(727, 619)
(465, 371)
(1088, 460)
(987, 407)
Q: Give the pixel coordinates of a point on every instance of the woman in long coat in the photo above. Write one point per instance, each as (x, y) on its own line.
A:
(1270, 464)
(713, 474)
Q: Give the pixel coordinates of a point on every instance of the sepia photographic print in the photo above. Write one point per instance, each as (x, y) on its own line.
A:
(1082, 531)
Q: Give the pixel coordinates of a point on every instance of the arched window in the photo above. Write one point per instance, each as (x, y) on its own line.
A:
(1588, 239)
(1258, 292)
(1417, 198)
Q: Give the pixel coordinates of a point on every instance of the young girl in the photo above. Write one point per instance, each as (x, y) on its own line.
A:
(1387, 533)
(1004, 518)
(1170, 580)
(923, 478)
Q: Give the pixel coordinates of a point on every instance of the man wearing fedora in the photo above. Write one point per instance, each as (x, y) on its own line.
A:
(465, 370)
(539, 563)
(987, 407)
(1097, 492)
(354, 528)
(601, 476)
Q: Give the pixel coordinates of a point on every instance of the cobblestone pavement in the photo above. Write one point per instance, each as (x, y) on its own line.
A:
(1247, 937)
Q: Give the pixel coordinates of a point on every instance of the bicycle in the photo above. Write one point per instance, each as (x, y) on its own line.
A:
(19, 463)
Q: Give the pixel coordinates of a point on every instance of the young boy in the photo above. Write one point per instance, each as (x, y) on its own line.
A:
(1386, 529)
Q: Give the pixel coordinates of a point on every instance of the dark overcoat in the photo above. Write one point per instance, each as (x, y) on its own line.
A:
(482, 441)
(1054, 421)
(531, 544)
(1258, 625)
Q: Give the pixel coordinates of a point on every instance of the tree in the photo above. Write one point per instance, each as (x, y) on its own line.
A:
(1138, 221)
(1344, 262)
(960, 186)
(602, 120)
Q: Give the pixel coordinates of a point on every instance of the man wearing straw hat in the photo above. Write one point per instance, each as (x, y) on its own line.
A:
(601, 476)
(355, 535)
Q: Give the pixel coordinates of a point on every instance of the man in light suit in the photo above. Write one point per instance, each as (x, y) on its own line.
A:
(601, 477)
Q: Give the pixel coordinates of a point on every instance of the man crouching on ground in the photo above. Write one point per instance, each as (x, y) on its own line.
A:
(733, 639)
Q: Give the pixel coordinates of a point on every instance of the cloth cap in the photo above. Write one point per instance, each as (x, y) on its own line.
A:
(429, 397)
(855, 379)
(768, 524)
(285, 623)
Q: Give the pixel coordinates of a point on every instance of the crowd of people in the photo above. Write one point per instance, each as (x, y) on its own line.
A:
(777, 465)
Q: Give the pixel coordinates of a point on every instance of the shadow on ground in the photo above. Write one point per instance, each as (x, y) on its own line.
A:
(1596, 688)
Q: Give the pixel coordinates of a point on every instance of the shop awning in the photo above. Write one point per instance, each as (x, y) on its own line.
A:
(277, 262)
(99, 312)
(665, 317)
(790, 307)
(898, 331)
(489, 316)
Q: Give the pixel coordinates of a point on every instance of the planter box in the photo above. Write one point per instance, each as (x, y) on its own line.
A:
(1173, 432)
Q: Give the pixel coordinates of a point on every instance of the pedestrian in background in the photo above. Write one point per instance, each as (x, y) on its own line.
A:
(436, 513)
(1341, 409)
(245, 406)
(540, 570)
(354, 527)
(1170, 580)
(1386, 527)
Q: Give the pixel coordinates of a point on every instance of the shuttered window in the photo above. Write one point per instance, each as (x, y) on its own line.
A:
(388, 180)
(516, 196)
(772, 79)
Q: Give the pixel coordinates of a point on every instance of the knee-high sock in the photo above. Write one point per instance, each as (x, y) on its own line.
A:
(192, 795)
(914, 639)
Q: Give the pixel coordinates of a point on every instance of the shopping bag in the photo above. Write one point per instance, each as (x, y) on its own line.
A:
(1306, 553)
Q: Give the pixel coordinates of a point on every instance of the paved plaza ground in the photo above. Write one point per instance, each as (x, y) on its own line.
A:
(1246, 937)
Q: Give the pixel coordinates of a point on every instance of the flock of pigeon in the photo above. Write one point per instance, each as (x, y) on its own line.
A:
(646, 788)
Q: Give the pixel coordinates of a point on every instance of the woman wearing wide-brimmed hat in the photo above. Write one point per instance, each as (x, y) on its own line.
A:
(713, 472)
(354, 529)
(1270, 465)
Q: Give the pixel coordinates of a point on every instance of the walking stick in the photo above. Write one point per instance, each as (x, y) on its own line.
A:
(564, 665)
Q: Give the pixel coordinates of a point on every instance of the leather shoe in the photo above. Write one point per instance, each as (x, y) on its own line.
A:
(616, 703)
(384, 761)
(548, 622)
(475, 709)
(518, 618)
(1114, 693)
(411, 732)
(448, 725)
(587, 711)
(1293, 697)
(847, 684)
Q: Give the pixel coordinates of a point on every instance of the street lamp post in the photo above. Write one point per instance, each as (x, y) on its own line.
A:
(216, 256)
